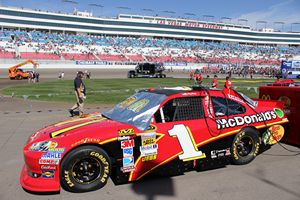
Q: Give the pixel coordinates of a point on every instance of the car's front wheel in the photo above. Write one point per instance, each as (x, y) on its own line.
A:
(84, 169)
(245, 146)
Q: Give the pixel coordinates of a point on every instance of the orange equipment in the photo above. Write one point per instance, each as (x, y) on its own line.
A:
(19, 74)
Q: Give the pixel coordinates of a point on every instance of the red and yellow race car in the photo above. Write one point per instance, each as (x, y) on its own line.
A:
(152, 133)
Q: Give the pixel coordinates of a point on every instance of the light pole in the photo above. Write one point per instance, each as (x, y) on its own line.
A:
(147, 10)
(189, 14)
(261, 22)
(297, 23)
(169, 12)
(96, 5)
(71, 2)
(244, 21)
(123, 8)
(226, 18)
(278, 23)
(208, 17)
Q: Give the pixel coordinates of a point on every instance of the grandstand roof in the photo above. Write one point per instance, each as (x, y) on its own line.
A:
(136, 25)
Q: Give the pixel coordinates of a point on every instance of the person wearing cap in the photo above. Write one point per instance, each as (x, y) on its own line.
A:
(80, 92)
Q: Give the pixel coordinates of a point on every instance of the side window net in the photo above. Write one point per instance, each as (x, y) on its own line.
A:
(181, 109)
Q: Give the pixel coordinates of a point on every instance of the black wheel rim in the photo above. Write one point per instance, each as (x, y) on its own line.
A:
(86, 170)
(245, 146)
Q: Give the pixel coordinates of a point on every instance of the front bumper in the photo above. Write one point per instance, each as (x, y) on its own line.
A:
(39, 184)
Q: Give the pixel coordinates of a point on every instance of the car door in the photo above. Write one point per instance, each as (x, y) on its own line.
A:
(179, 126)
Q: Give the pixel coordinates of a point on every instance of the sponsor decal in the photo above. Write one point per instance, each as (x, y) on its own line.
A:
(219, 153)
(48, 161)
(48, 167)
(138, 106)
(247, 119)
(149, 158)
(266, 97)
(126, 132)
(105, 163)
(279, 112)
(127, 102)
(43, 146)
(86, 140)
(127, 144)
(287, 101)
(128, 164)
(148, 138)
(273, 135)
(151, 128)
(67, 179)
(149, 150)
(48, 174)
(235, 98)
(51, 155)
(59, 150)
(121, 138)
(128, 152)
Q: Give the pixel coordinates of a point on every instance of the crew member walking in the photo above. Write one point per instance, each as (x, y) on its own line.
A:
(214, 82)
(228, 83)
(80, 91)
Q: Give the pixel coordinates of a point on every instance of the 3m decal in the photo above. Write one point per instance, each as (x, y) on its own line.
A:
(241, 120)
(48, 174)
(127, 144)
(126, 132)
(187, 143)
(273, 135)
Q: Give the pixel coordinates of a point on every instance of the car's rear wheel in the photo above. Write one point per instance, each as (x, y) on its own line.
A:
(84, 169)
(245, 146)
(19, 77)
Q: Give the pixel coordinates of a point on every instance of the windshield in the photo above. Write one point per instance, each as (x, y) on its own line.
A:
(248, 100)
(137, 110)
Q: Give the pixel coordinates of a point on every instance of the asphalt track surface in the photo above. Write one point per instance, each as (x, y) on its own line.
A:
(273, 175)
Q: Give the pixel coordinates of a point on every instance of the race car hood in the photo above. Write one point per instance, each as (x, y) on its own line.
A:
(79, 125)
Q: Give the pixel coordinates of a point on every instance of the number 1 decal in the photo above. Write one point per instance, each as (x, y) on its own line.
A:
(187, 143)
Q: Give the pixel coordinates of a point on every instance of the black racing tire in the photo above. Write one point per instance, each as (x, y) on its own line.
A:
(85, 169)
(245, 146)
(19, 77)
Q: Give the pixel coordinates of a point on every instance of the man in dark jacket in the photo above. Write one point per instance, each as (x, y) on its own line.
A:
(80, 91)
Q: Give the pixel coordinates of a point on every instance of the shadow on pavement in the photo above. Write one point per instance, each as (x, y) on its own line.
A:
(154, 187)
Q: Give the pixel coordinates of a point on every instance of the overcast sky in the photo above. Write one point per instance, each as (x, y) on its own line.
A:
(287, 11)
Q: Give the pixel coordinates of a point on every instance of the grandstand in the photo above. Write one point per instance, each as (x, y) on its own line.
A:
(28, 34)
